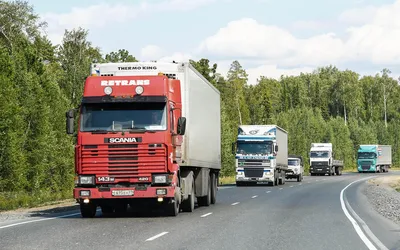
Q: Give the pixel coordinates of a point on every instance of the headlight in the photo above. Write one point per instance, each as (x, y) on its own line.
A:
(159, 179)
(86, 180)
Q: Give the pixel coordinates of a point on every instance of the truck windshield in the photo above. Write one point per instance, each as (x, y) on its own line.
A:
(366, 155)
(123, 116)
(293, 162)
(319, 154)
(254, 147)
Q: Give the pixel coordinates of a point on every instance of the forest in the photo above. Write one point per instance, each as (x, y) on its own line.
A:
(40, 81)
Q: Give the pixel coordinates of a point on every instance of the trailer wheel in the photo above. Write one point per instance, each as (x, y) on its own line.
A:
(213, 180)
(205, 200)
(188, 205)
(88, 210)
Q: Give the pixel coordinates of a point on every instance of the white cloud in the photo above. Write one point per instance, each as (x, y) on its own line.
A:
(246, 38)
(358, 16)
(99, 15)
(178, 57)
(373, 38)
(151, 52)
(308, 25)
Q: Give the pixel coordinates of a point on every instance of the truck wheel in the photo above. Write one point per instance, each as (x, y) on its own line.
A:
(299, 178)
(205, 200)
(172, 208)
(213, 188)
(188, 205)
(88, 210)
(239, 184)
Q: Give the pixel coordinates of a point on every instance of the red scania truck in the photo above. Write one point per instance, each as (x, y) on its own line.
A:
(149, 133)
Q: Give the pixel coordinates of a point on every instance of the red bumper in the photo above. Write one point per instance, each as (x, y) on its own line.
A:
(150, 192)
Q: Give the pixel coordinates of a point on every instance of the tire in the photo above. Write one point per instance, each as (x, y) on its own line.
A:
(172, 208)
(205, 200)
(299, 178)
(188, 205)
(88, 210)
(213, 188)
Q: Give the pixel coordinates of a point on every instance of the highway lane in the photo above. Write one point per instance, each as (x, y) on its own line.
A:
(306, 214)
(387, 233)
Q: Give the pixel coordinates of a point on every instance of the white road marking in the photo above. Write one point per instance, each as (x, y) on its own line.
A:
(268, 192)
(308, 182)
(205, 215)
(38, 220)
(299, 184)
(280, 188)
(156, 236)
(356, 226)
(255, 196)
(364, 226)
(233, 204)
(291, 186)
(324, 179)
(44, 219)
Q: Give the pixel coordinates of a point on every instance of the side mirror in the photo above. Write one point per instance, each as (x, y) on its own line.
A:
(181, 127)
(233, 148)
(70, 121)
(276, 148)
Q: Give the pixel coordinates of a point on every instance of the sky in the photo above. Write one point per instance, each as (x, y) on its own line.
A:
(268, 37)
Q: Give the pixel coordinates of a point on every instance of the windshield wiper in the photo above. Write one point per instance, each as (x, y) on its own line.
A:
(100, 131)
(139, 129)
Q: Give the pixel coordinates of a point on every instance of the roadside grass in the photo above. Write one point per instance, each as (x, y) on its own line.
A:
(224, 180)
(16, 200)
(351, 170)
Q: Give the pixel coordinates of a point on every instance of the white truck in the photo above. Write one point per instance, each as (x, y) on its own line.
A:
(261, 153)
(322, 161)
(295, 168)
(155, 129)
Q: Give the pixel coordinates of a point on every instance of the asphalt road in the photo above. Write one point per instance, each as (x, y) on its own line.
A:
(306, 215)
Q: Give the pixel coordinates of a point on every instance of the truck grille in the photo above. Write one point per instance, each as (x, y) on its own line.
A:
(319, 163)
(253, 172)
(124, 160)
(253, 163)
(366, 165)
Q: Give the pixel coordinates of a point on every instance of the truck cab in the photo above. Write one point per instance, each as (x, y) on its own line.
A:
(295, 168)
(374, 158)
(260, 151)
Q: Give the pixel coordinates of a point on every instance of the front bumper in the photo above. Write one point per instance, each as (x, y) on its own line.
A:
(149, 192)
(258, 180)
(320, 170)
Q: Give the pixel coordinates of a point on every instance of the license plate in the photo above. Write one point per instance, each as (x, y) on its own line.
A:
(123, 192)
(319, 169)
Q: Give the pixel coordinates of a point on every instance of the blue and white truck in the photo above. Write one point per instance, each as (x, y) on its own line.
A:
(261, 153)
(374, 158)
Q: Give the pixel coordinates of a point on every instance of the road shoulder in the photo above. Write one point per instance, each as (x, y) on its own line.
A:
(383, 197)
